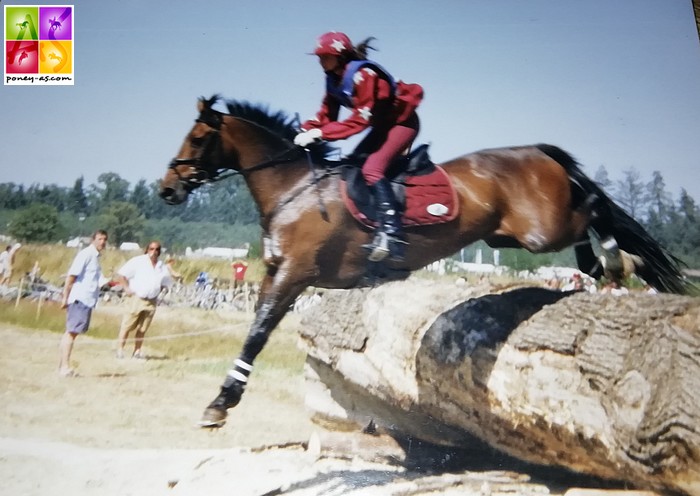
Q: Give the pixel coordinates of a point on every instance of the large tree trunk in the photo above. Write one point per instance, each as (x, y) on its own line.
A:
(599, 384)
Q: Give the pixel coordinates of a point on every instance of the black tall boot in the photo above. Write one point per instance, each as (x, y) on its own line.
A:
(388, 237)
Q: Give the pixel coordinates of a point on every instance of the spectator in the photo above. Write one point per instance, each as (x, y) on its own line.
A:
(170, 265)
(5, 266)
(143, 278)
(80, 295)
(239, 268)
(7, 261)
(202, 280)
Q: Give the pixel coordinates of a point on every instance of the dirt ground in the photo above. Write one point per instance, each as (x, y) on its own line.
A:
(128, 427)
(122, 426)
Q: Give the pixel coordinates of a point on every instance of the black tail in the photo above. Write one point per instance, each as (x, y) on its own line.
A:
(661, 269)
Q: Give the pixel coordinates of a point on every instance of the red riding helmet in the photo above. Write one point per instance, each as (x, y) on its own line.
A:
(333, 43)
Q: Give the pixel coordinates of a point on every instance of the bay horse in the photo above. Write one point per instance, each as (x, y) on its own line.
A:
(533, 197)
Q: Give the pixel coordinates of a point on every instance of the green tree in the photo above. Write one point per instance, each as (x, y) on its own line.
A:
(50, 194)
(631, 192)
(157, 208)
(140, 196)
(123, 222)
(37, 223)
(77, 199)
(12, 196)
(113, 189)
(659, 199)
(602, 179)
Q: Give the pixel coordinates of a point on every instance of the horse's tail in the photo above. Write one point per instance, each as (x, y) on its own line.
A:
(659, 267)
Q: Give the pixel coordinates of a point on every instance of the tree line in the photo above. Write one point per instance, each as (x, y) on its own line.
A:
(222, 214)
(225, 214)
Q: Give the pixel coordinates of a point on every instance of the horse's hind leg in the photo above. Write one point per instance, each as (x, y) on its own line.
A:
(586, 259)
(602, 224)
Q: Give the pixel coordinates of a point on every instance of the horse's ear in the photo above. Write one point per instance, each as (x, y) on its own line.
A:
(201, 105)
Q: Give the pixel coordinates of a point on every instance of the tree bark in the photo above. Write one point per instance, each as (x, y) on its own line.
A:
(603, 385)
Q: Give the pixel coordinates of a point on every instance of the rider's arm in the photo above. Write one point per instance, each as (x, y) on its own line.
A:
(369, 89)
(329, 111)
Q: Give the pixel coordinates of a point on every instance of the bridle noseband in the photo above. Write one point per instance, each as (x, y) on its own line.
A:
(203, 174)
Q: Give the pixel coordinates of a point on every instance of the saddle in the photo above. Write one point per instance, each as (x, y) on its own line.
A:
(422, 189)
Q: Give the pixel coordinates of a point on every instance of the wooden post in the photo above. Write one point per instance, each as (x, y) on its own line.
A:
(19, 291)
(38, 307)
(247, 297)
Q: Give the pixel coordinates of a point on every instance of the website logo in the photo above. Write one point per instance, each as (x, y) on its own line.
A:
(39, 44)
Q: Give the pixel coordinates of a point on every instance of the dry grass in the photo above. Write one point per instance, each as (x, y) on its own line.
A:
(191, 338)
(54, 261)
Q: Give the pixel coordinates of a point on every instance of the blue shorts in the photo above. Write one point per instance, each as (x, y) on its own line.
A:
(78, 317)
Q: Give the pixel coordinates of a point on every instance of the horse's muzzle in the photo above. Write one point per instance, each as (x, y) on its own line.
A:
(173, 196)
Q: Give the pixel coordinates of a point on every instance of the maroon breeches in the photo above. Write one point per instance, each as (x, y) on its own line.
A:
(388, 144)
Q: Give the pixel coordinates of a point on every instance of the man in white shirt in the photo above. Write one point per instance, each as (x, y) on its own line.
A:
(7, 259)
(5, 265)
(143, 278)
(80, 294)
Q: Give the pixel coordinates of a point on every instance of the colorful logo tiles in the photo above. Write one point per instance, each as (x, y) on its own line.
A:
(39, 44)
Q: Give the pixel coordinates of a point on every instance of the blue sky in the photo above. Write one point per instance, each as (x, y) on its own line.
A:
(614, 82)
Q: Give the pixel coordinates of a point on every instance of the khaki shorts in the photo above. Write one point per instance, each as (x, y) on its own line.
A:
(139, 314)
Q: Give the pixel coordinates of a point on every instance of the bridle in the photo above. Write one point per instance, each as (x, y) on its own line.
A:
(204, 173)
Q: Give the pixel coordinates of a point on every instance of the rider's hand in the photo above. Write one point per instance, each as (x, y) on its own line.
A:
(307, 137)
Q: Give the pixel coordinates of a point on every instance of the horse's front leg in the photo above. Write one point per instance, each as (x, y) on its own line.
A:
(278, 293)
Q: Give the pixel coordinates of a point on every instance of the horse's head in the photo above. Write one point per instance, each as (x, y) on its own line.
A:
(248, 138)
(200, 158)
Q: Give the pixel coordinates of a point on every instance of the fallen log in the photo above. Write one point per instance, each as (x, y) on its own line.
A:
(602, 385)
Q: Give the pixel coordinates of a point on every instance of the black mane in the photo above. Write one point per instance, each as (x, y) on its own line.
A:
(279, 123)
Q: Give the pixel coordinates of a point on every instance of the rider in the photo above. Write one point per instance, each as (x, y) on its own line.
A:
(375, 101)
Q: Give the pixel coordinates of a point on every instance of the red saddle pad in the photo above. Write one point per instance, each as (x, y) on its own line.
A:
(430, 199)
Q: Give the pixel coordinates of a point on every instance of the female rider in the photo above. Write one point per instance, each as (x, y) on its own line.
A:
(376, 101)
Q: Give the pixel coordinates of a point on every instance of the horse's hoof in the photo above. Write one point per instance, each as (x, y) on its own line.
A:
(213, 418)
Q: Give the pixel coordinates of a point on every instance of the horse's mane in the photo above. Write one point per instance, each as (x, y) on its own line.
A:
(277, 122)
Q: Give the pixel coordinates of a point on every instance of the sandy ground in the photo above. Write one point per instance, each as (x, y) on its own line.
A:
(128, 427)
(122, 426)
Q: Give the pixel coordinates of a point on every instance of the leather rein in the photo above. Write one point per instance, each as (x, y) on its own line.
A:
(204, 174)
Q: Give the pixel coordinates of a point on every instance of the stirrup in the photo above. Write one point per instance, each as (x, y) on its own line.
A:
(380, 248)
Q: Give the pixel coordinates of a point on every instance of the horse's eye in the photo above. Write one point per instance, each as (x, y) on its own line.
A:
(197, 142)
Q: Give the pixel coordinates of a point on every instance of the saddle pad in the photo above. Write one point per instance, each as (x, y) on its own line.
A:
(429, 199)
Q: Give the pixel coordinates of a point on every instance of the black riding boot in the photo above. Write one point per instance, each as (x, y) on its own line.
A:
(388, 237)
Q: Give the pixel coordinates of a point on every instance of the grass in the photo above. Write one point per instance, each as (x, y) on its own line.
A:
(204, 340)
(54, 261)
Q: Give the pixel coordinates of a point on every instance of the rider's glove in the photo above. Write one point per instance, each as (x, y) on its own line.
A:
(305, 138)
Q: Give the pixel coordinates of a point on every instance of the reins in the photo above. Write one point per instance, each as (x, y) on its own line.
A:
(206, 175)
(278, 159)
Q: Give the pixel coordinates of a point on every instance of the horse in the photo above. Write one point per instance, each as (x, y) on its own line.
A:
(533, 197)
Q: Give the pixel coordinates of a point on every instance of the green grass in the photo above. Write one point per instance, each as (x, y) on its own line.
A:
(206, 340)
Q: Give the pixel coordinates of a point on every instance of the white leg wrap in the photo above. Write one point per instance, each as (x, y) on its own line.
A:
(609, 244)
(237, 375)
(245, 366)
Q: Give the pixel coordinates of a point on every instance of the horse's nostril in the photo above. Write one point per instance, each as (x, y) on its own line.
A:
(166, 193)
